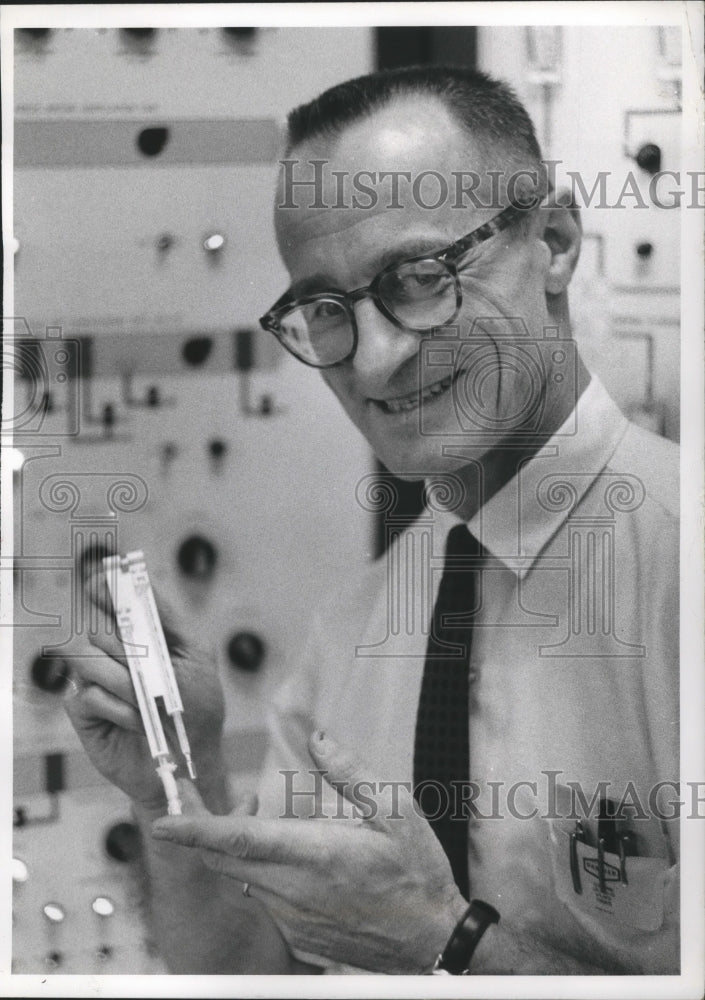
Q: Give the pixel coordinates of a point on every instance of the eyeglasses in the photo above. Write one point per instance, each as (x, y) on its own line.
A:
(417, 294)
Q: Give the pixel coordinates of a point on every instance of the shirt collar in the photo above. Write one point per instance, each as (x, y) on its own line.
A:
(514, 525)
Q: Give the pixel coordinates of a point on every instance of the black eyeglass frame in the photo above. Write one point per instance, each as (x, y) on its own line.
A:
(447, 256)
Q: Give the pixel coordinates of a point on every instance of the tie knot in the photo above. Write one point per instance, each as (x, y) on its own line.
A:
(461, 542)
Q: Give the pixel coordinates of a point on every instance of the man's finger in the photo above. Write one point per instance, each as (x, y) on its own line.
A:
(279, 841)
(348, 776)
(91, 704)
(103, 671)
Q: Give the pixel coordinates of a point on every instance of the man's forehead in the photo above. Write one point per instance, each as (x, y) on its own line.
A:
(410, 158)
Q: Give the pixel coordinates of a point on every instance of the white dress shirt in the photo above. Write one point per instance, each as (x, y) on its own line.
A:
(574, 679)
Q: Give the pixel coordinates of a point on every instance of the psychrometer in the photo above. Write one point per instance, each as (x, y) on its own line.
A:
(150, 665)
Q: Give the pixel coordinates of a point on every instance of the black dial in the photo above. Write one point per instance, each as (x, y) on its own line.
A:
(197, 557)
(49, 673)
(123, 842)
(246, 651)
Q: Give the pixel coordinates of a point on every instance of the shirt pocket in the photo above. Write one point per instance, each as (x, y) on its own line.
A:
(629, 906)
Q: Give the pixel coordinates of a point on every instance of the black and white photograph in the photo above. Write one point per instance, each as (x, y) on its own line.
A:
(352, 473)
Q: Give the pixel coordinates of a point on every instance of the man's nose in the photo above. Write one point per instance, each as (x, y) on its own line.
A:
(382, 347)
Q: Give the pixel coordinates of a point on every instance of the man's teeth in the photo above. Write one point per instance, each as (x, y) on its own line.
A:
(413, 402)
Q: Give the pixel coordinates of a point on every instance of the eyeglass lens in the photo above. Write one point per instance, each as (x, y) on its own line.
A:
(419, 294)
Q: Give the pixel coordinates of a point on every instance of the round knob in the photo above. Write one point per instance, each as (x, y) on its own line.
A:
(648, 157)
(196, 350)
(49, 673)
(246, 651)
(197, 557)
(217, 448)
(644, 249)
(123, 843)
(151, 141)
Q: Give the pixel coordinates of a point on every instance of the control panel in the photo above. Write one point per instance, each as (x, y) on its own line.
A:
(606, 101)
(152, 413)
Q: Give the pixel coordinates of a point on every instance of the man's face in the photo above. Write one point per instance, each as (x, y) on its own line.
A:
(408, 399)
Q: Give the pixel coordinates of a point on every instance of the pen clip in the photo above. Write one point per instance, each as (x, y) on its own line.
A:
(627, 848)
(578, 834)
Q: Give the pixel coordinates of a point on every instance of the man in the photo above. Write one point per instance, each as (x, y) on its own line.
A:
(436, 307)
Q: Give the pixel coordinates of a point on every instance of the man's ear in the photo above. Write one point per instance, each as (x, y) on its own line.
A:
(562, 234)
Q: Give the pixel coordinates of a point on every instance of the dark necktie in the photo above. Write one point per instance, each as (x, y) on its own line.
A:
(441, 751)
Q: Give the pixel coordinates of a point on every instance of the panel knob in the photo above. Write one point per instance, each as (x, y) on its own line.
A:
(123, 842)
(246, 651)
(49, 673)
(197, 557)
(648, 157)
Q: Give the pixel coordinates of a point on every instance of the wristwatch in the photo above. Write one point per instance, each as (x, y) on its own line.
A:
(457, 954)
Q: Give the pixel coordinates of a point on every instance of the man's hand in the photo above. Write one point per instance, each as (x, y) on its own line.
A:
(376, 893)
(102, 707)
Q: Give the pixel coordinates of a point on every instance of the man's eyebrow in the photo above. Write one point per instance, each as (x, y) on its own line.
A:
(314, 283)
(412, 247)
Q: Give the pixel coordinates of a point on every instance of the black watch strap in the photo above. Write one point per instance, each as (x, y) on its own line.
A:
(466, 937)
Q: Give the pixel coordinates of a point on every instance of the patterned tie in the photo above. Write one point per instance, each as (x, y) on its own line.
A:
(441, 751)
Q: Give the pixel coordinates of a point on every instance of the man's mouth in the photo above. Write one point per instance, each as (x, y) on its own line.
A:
(412, 401)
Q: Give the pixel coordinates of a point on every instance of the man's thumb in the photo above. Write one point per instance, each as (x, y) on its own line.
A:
(344, 773)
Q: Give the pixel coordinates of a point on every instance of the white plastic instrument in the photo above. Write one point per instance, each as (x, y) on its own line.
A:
(150, 665)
